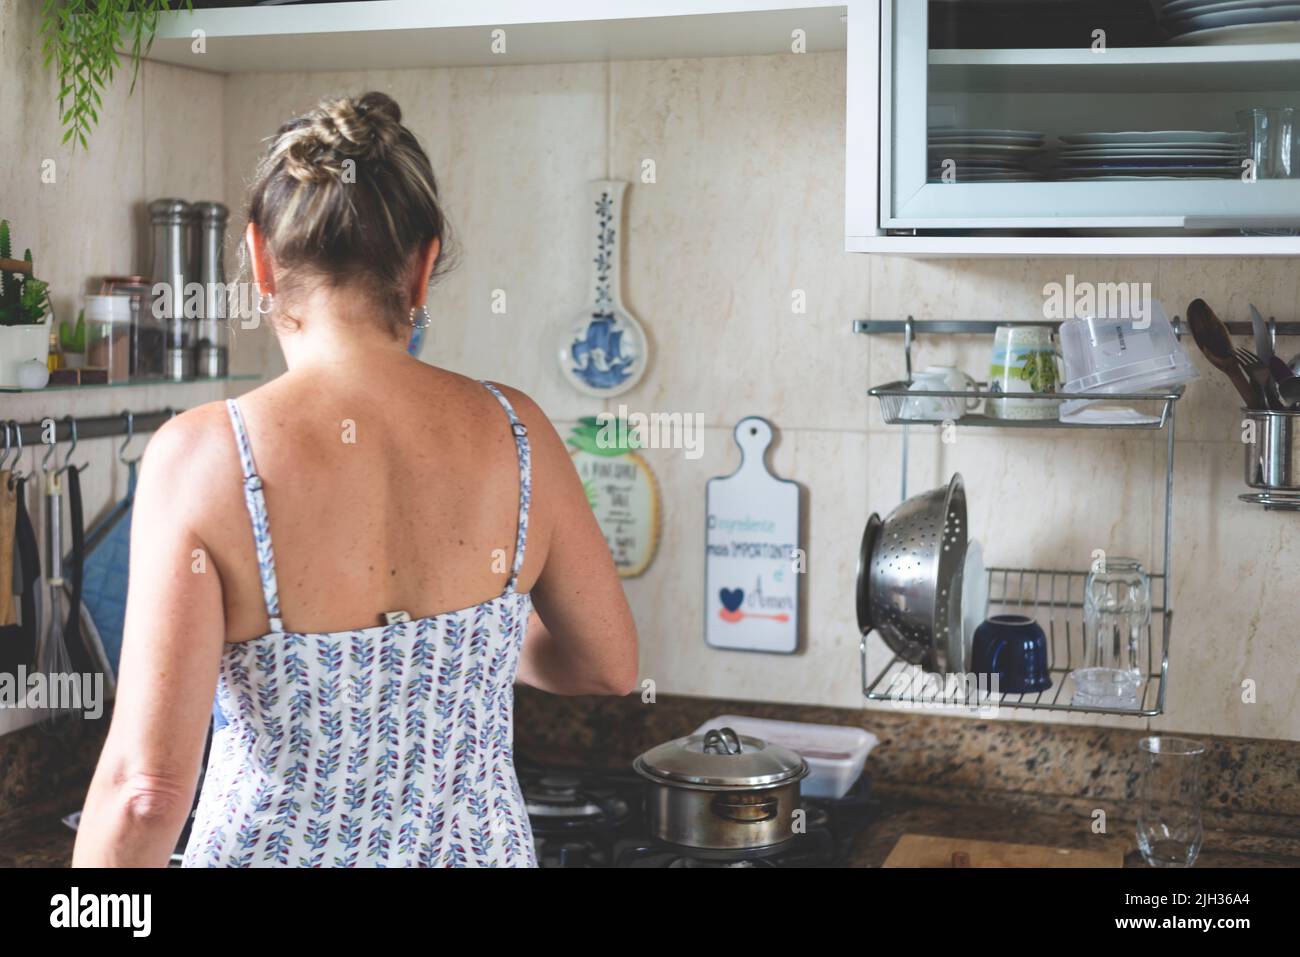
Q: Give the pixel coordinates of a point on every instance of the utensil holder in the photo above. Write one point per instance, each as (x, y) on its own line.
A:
(1272, 441)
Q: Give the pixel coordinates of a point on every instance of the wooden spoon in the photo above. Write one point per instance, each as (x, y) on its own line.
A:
(1215, 343)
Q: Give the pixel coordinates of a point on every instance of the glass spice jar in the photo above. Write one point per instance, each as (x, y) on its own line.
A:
(108, 336)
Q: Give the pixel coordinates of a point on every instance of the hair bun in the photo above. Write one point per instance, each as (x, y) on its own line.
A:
(341, 129)
(360, 128)
(380, 105)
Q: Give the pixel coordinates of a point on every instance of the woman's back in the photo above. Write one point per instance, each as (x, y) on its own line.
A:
(389, 744)
(398, 491)
(357, 559)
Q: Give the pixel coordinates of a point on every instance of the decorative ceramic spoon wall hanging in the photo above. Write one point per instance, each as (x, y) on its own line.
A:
(621, 489)
(605, 351)
(751, 559)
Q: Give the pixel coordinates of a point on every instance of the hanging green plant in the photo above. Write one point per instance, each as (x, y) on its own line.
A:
(82, 38)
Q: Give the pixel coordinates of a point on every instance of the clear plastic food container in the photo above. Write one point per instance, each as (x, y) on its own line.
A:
(1117, 356)
(835, 754)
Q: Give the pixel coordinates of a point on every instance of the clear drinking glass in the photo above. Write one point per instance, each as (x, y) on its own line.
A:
(1117, 623)
(1169, 830)
(1271, 141)
(1271, 144)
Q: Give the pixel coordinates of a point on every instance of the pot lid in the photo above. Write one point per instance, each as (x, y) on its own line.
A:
(722, 758)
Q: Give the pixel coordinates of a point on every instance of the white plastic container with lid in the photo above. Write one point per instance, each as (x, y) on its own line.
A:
(835, 754)
(108, 336)
(1115, 356)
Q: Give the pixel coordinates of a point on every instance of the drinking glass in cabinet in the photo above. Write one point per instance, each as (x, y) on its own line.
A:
(1270, 141)
(1270, 144)
(1169, 829)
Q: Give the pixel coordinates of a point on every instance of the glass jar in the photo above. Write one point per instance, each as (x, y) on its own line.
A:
(148, 332)
(1117, 625)
(108, 336)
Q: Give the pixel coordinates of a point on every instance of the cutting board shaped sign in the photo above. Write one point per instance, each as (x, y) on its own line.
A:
(752, 559)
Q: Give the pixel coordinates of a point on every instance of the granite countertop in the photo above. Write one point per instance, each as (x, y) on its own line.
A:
(900, 812)
(42, 840)
(1018, 782)
(1006, 781)
(44, 775)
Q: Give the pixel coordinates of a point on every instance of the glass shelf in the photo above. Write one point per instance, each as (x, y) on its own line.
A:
(133, 383)
(1168, 69)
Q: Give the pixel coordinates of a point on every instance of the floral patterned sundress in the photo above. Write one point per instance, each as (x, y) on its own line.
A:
(388, 746)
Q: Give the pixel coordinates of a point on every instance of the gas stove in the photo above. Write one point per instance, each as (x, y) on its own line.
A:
(589, 817)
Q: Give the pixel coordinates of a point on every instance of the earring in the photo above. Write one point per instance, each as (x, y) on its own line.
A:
(419, 317)
(265, 303)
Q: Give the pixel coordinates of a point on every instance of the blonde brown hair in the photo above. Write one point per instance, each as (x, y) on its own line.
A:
(346, 196)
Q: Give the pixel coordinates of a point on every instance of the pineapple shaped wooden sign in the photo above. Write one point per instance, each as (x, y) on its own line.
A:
(621, 489)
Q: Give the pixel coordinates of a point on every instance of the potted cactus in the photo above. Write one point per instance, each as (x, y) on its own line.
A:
(24, 313)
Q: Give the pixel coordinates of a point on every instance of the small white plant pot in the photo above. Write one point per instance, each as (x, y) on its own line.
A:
(19, 344)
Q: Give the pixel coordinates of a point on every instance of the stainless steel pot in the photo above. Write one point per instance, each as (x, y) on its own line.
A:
(1273, 450)
(722, 793)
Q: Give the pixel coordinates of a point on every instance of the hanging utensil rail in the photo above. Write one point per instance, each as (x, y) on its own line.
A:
(123, 423)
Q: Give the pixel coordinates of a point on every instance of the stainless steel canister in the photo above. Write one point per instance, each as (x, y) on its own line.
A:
(1272, 442)
(210, 345)
(172, 269)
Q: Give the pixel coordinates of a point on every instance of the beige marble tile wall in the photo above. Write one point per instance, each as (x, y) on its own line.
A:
(746, 210)
(164, 140)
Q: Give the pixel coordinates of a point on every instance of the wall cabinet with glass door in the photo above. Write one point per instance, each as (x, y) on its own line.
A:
(1152, 127)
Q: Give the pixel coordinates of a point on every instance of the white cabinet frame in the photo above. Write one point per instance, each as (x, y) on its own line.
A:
(886, 153)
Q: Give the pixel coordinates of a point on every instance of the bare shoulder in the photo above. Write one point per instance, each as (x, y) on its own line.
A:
(192, 454)
(541, 432)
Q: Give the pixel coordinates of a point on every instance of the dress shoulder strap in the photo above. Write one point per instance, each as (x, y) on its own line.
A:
(525, 481)
(256, 503)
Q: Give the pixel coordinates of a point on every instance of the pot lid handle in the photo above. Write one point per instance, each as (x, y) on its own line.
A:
(721, 741)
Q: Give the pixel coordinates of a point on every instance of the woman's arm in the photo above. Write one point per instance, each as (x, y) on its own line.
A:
(175, 628)
(582, 640)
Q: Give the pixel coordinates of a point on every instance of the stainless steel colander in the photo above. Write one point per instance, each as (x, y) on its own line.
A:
(908, 568)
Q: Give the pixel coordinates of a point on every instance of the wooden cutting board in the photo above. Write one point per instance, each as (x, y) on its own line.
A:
(752, 562)
(923, 850)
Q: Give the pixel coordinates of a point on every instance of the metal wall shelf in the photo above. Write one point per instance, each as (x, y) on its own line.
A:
(1053, 598)
(894, 397)
(987, 327)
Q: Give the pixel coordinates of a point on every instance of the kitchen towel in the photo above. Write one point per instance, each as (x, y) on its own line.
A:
(8, 518)
(104, 575)
(18, 642)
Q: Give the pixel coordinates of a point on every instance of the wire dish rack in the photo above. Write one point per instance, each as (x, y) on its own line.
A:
(1055, 600)
(900, 404)
(1052, 598)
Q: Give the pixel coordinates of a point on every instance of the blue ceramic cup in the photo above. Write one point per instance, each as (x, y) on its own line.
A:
(1014, 648)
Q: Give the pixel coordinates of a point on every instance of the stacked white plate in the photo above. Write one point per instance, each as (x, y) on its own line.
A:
(984, 155)
(1150, 154)
(1231, 21)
